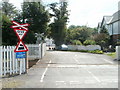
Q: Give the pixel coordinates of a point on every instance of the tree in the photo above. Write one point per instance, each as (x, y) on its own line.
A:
(9, 10)
(35, 14)
(8, 13)
(104, 30)
(58, 27)
(102, 39)
(8, 35)
(80, 33)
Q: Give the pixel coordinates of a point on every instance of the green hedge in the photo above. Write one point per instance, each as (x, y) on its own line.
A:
(87, 51)
(89, 42)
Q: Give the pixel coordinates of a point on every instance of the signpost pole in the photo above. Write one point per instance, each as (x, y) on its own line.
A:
(21, 49)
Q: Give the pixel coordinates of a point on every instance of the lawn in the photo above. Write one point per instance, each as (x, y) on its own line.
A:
(112, 54)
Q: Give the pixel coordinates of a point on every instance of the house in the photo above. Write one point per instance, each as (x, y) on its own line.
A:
(114, 27)
(112, 24)
(99, 27)
(104, 23)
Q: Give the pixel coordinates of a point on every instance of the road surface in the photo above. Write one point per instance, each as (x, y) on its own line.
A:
(60, 69)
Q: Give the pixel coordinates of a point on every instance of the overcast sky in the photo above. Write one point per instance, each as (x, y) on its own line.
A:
(84, 12)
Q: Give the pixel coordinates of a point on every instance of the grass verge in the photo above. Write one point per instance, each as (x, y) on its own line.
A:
(112, 54)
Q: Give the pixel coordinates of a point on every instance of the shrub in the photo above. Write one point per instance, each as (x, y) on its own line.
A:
(76, 42)
(89, 42)
(96, 51)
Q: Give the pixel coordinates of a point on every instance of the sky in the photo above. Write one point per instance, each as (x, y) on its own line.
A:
(84, 12)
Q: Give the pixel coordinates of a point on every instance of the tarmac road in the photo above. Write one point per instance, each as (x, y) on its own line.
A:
(60, 69)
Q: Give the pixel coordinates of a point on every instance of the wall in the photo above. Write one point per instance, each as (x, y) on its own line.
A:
(36, 51)
(80, 47)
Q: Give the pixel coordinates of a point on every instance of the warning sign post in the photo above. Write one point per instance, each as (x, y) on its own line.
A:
(20, 30)
(21, 49)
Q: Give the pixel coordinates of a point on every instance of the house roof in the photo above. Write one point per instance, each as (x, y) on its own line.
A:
(106, 19)
(99, 25)
(115, 17)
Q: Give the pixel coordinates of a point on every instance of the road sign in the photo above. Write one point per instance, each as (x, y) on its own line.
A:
(20, 33)
(21, 47)
(20, 54)
(20, 30)
(17, 25)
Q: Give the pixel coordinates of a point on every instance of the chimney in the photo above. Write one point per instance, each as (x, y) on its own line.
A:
(118, 5)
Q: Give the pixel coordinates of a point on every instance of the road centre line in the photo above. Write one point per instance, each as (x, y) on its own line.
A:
(43, 75)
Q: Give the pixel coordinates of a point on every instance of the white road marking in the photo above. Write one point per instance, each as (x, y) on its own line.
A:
(75, 55)
(108, 61)
(76, 60)
(60, 81)
(93, 75)
(89, 71)
(43, 75)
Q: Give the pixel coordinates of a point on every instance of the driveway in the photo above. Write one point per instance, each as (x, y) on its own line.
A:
(60, 69)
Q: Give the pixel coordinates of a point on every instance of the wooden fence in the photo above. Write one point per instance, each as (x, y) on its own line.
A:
(10, 65)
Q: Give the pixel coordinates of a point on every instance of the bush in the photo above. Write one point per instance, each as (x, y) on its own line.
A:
(95, 51)
(89, 42)
(76, 42)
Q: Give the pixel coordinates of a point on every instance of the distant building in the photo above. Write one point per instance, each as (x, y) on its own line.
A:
(49, 43)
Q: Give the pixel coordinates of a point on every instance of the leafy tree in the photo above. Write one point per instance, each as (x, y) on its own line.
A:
(58, 27)
(9, 10)
(76, 42)
(80, 33)
(102, 39)
(35, 14)
(8, 35)
(8, 13)
(104, 30)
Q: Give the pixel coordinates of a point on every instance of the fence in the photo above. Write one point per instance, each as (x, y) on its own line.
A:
(80, 47)
(10, 65)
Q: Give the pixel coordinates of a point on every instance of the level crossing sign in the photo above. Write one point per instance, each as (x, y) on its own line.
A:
(20, 30)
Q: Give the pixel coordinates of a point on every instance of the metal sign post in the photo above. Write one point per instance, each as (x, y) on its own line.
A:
(21, 48)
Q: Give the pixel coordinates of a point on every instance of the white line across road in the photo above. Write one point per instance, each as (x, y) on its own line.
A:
(89, 72)
(93, 75)
(43, 75)
(108, 61)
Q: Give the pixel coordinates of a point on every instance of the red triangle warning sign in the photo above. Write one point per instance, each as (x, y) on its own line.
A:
(20, 33)
(21, 47)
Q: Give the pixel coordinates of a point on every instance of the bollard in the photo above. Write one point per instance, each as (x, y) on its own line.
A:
(118, 52)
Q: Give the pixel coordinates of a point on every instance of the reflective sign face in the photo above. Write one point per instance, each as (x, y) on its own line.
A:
(20, 30)
(21, 47)
(20, 33)
(20, 54)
